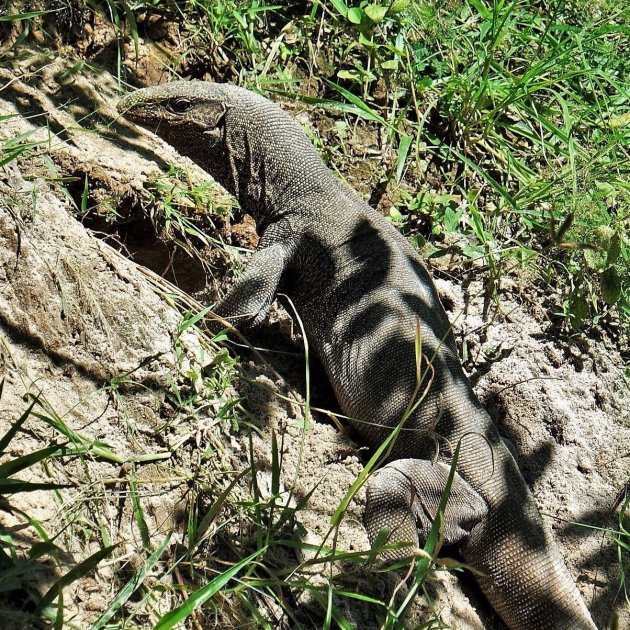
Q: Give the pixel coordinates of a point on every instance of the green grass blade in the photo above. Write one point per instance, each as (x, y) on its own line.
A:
(403, 151)
(27, 15)
(138, 512)
(131, 586)
(216, 506)
(360, 104)
(13, 486)
(182, 612)
(83, 568)
(15, 427)
(26, 461)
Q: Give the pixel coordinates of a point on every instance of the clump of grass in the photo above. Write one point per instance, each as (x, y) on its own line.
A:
(529, 110)
(21, 557)
(185, 210)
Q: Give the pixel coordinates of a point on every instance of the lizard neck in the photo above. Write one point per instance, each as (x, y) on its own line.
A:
(270, 165)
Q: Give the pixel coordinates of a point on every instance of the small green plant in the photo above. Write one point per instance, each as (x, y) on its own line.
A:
(10, 485)
(381, 53)
(175, 202)
(20, 146)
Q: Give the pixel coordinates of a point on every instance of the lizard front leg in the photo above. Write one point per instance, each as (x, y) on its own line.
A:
(247, 302)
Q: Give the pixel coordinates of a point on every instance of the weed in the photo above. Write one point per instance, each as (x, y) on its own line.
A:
(174, 200)
(20, 563)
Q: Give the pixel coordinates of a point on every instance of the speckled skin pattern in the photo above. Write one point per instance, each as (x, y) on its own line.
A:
(361, 290)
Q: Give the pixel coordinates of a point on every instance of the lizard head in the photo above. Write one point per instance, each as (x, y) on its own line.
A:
(184, 113)
(247, 143)
(214, 124)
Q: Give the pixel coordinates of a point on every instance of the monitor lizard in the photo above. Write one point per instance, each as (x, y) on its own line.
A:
(367, 303)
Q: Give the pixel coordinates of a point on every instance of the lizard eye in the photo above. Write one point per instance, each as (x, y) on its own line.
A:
(179, 105)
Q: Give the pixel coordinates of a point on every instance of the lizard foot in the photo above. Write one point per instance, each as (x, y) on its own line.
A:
(404, 497)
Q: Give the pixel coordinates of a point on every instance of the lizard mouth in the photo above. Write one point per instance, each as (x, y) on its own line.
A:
(215, 124)
(217, 132)
(143, 116)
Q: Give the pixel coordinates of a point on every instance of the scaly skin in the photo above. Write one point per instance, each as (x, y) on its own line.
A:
(359, 288)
